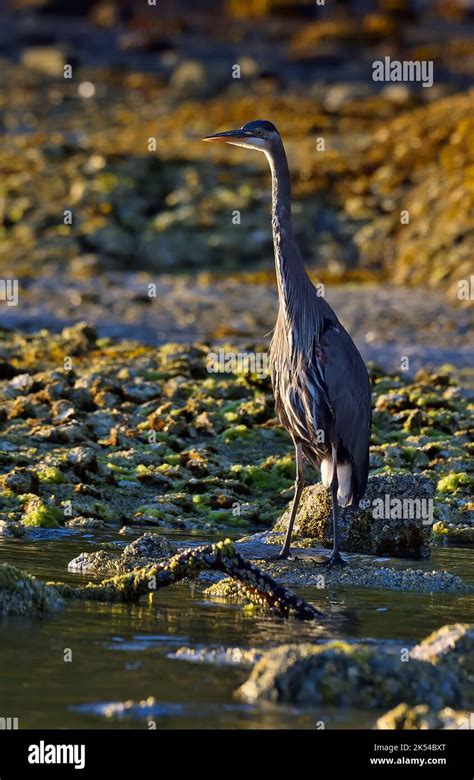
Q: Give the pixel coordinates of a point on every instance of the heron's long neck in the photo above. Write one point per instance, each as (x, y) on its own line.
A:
(290, 270)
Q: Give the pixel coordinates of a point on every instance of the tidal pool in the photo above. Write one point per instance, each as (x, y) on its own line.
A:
(122, 652)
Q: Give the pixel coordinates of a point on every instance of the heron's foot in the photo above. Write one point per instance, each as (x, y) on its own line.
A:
(335, 559)
(283, 555)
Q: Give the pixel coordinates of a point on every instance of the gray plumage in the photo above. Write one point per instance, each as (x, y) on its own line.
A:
(320, 382)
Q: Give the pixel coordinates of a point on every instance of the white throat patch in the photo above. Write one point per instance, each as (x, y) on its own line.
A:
(256, 143)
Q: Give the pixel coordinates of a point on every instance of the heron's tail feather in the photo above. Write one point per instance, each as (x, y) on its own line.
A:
(326, 472)
(344, 484)
(344, 480)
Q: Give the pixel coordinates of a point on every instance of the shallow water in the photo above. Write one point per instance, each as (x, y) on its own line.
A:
(121, 652)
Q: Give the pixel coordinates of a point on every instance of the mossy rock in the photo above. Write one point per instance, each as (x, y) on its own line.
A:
(461, 534)
(340, 674)
(404, 717)
(450, 647)
(21, 480)
(22, 594)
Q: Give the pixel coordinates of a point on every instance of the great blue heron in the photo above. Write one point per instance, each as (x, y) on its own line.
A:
(320, 382)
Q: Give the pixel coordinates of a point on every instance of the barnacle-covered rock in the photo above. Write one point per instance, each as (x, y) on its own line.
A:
(22, 480)
(99, 562)
(82, 460)
(304, 570)
(10, 529)
(227, 589)
(139, 553)
(84, 522)
(148, 547)
(396, 521)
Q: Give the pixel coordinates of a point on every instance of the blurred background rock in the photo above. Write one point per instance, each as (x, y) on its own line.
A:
(166, 72)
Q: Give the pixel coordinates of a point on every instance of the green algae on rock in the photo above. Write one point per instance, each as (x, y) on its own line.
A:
(396, 521)
(339, 674)
(143, 456)
(167, 458)
(404, 717)
(24, 595)
(37, 513)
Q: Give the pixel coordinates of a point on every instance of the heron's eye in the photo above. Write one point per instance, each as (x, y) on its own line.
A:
(259, 131)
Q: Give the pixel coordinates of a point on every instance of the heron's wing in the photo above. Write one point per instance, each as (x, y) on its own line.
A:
(349, 394)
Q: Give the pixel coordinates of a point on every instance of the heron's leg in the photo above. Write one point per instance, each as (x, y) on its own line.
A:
(335, 559)
(299, 482)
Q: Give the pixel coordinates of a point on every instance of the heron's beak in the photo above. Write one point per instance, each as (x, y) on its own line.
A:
(229, 135)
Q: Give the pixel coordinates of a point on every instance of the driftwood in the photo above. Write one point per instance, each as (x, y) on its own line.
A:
(258, 586)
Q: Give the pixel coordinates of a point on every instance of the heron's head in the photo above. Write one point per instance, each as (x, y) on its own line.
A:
(260, 135)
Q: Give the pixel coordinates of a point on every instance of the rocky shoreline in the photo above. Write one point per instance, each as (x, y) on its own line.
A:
(122, 434)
